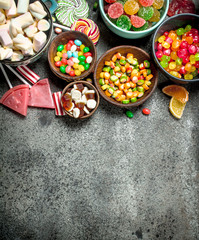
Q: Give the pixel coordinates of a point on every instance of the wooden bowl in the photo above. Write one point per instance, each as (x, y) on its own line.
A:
(138, 53)
(62, 39)
(90, 87)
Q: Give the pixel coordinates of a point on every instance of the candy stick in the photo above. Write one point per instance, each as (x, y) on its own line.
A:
(20, 78)
(28, 73)
(61, 26)
(6, 76)
(57, 101)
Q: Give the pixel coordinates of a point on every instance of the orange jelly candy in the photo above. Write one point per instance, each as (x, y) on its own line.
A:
(174, 55)
(188, 66)
(131, 7)
(189, 40)
(176, 44)
(172, 35)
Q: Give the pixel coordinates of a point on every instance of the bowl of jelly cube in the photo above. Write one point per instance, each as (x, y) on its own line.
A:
(80, 99)
(35, 34)
(72, 56)
(133, 18)
(125, 76)
(175, 48)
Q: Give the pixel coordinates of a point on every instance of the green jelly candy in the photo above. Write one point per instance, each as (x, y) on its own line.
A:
(106, 69)
(140, 89)
(146, 63)
(144, 27)
(82, 58)
(86, 66)
(180, 31)
(148, 71)
(165, 58)
(60, 48)
(146, 12)
(122, 62)
(101, 81)
(86, 49)
(95, 5)
(133, 99)
(82, 63)
(178, 61)
(112, 72)
(188, 28)
(164, 64)
(134, 89)
(126, 101)
(195, 73)
(129, 114)
(124, 22)
(62, 69)
(197, 56)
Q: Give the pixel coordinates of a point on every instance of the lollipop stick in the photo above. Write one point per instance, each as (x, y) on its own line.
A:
(61, 26)
(6, 76)
(20, 77)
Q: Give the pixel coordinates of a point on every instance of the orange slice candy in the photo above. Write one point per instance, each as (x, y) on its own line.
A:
(178, 92)
(176, 107)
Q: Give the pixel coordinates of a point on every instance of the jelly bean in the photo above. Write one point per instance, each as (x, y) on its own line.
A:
(60, 48)
(56, 58)
(197, 64)
(77, 72)
(71, 42)
(82, 47)
(64, 61)
(64, 51)
(86, 66)
(196, 38)
(81, 58)
(78, 42)
(81, 68)
(193, 69)
(58, 30)
(176, 43)
(58, 63)
(146, 111)
(68, 69)
(166, 58)
(134, 99)
(59, 54)
(89, 59)
(174, 73)
(62, 69)
(69, 53)
(189, 40)
(129, 114)
(166, 34)
(75, 60)
(75, 65)
(86, 49)
(64, 55)
(68, 46)
(87, 54)
(73, 48)
(75, 54)
(82, 63)
(72, 73)
(172, 35)
(70, 62)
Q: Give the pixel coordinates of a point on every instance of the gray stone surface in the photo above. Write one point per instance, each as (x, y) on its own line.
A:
(108, 177)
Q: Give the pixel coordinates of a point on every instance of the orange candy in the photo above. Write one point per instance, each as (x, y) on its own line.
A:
(172, 35)
(188, 66)
(131, 7)
(189, 40)
(174, 55)
(176, 44)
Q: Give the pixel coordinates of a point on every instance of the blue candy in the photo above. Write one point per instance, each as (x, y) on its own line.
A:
(75, 54)
(78, 42)
(69, 53)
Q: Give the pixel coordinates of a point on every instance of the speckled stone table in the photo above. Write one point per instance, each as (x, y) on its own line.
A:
(108, 177)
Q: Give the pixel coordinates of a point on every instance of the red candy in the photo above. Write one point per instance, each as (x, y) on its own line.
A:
(64, 61)
(146, 111)
(87, 54)
(137, 22)
(115, 10)
(146, 3)
(110, 1)
(179, 6)
(58, 63)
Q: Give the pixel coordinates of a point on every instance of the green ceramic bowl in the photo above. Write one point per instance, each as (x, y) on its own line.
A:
(132, 34)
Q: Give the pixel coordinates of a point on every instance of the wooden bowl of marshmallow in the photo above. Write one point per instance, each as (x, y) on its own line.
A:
(25, 31)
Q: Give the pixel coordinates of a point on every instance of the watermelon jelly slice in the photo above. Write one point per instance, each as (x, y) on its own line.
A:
(17, 99)
(40, 95)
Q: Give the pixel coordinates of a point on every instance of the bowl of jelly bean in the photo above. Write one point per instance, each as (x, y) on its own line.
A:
(72, 56)
(133, 18)
(125, 76)
(175, 48)
(80, 99)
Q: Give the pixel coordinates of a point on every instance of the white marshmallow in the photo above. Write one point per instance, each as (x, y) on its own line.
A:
(30, 30)
(12, 11)
(39, 41)
(15, 28)
(91, 103)
(2, 17)
(76, 94)
(22, 6)
(5, 38)
(86, 110)
(37, 10)
(24, 20)
(43, 25)
(84, 90)
(28, 52)
(76, 112)
(22, 43)
(5, 26)
(5, 53)
(16, 56)
(5, 4)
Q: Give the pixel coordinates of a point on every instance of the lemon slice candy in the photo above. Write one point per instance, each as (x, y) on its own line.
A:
(176, 107)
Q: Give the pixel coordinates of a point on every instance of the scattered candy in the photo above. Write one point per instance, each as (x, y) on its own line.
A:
(146, 111)
(129, 114)
(178, 52)
(95, 6)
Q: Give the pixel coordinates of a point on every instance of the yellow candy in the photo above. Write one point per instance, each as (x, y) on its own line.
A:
(81, 68)
(64, 51)
(174, 73)
(193, 69)
(188, 76)
(80, 53)
(75, 65)
(57, 58)
(161, 39)
(77, 72)
(192, 59)
(59, 54)
(172, 65)
(82, 47)
(166, 45)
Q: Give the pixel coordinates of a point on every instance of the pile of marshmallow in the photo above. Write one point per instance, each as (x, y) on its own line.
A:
(22, 29)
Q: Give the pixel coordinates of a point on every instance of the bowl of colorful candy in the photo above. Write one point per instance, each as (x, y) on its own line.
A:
(72, 56)
(175, 48)
(80, 100)
(25, 31)
(125, 76)
(133, 18)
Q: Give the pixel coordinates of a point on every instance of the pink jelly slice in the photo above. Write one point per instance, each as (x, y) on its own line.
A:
(146, 3)
(115, 10)
(137, 22)
(17, 99)
(40, 95)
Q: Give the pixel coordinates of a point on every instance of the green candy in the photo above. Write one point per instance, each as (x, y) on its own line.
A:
(165, 58)
(129, 114)
(82, 58)
(146, 12)
(86, 49)
(60, 48)
(133, 99)
(164, 64)
(124, 22)
(126, 101)
(82, 63)
(180, 31)
(178, 61)
(101, 81)
(197, 56)
(144, 27)
(86, 66)
(188, 28)
(62, 69)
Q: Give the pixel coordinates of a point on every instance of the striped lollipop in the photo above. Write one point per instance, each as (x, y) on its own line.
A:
(71, 10)
(88, 27)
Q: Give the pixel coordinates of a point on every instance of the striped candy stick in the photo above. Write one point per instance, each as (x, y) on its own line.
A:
(57, 102)
(28, 73)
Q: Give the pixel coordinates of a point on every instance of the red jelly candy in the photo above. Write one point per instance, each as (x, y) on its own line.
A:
(179, 6)
(146, 3)
(137, 22)
(72, 73)
(146, 111)
(115, 10)
(110, 1)
(58, 63)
